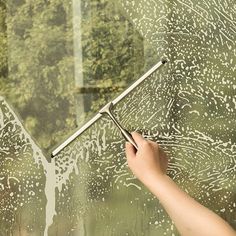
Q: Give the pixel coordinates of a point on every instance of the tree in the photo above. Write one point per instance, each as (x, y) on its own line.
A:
(40, 84)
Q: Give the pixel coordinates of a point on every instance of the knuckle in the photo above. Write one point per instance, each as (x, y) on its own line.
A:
(154, 144)
(146, 143)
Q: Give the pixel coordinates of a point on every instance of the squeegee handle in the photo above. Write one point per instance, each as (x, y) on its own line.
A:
(127, 135)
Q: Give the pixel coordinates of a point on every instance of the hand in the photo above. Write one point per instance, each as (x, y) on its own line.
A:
(149, 162)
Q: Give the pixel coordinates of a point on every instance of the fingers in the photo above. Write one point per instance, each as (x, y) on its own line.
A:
(138, 138)
(129, 150)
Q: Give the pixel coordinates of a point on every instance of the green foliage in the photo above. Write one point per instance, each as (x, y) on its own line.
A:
(112, 50)
(41, 67)
(111, 47)
(38, 77)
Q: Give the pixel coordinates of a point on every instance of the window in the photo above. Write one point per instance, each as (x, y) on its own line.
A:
(61, 61)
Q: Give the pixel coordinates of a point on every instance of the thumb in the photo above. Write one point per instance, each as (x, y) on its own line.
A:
(129, 150)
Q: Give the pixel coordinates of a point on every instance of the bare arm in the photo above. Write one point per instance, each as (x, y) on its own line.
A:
(149, 165)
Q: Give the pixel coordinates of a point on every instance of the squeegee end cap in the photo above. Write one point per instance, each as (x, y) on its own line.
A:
(164, 61)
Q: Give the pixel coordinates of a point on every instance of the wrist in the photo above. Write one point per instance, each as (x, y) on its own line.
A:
(154, 181)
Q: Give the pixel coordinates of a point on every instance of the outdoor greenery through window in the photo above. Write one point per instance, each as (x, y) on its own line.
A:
(58, 74)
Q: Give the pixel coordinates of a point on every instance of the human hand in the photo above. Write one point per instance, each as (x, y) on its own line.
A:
(149, 162)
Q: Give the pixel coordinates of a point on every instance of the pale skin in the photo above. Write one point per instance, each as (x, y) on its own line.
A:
(149, 165)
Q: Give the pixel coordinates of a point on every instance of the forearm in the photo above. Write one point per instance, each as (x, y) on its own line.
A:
(190, 217)
(149, 165)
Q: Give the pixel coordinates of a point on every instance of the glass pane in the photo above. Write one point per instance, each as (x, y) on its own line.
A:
(65, 60)
(61, 61)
